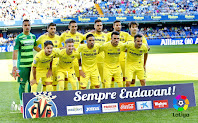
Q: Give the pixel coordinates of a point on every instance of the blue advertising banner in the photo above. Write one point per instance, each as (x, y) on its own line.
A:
(77, 102)
(6, 48)
(173, 41)
(104, 19)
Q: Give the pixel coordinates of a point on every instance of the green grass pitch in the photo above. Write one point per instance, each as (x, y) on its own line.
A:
(9, 93)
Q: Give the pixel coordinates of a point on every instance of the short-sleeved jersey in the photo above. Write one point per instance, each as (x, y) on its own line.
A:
(89, 56)
(42, 62)
(112, 54)
(100, 39)
(123, 36)
(25, 44)
(134, 55)
(131, 38)
(66, 61)
(78, 38)
(55, 40)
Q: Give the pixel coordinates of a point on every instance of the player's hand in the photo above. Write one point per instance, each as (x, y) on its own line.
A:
(49, 73)
(32, 82)
(82, 73)
(15, 72)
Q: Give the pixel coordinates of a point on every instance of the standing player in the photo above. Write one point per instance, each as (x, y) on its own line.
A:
(133, 27)
(41, 67)
(100, 38)
(123, 38)
(24, 44)
(65, 67)
(89, 68)
(134, 61)
(112, 67)
(78, 39)
(51, 36)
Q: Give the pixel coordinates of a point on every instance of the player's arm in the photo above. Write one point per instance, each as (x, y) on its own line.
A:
(49, 73)
(34, 65)
(14, 58)
(14, 69)
(145, 57)
(81, 72)
(33, 81)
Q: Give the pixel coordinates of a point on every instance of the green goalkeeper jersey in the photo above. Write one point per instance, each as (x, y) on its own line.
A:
(25, 44)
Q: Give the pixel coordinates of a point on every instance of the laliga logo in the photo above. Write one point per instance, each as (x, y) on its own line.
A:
(180, 103)
(41, 106)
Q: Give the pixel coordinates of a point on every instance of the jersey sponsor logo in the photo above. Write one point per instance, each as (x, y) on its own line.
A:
(41, 105)
(132, 53)
(78, 109)
(144, 105)
(160, 104)
(128, 106)
(89, 109)
(111, 107)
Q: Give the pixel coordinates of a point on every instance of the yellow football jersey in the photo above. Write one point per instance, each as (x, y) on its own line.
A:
(123, 36)
(42, 62)
(66, 61)
(89, 56)
(131, 38)
(134, 55)
(100, 39)
(112, 54)
(56, 41)
(78, 38)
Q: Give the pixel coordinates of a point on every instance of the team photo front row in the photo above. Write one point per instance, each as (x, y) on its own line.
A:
(55, 66)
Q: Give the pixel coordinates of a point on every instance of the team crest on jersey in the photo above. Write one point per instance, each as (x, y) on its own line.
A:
(122, 36)
(103, 37)
(118, 50)
(72, 57)
(55, 41)
(41, 106)
(94, 50)
(140, 51)
(77, 37)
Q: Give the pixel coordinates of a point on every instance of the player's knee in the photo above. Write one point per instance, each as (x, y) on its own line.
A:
(133, 81)
(143, 82)
(48, 83)
(97, 86)
(128, 83)
(78, 79)
(83, 88)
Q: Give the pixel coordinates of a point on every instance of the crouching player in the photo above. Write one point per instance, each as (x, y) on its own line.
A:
(89, 68)
(65, 69)
(42, 67)
(135, 63)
